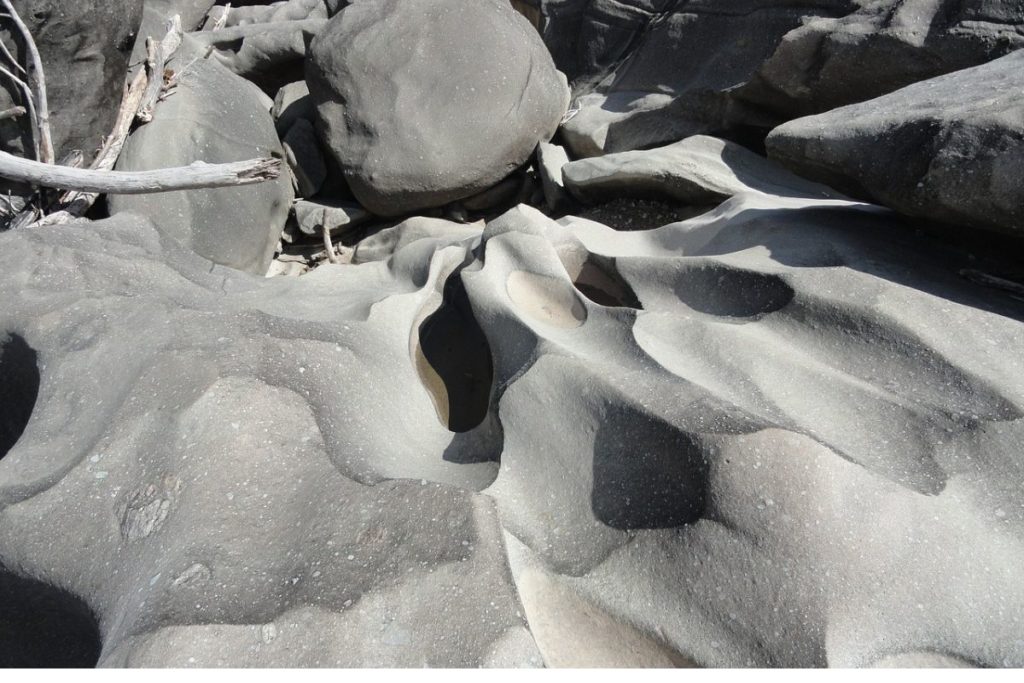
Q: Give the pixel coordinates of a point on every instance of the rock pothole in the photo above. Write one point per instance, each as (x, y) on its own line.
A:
(453, 360)
(19, 389)
(45, 626)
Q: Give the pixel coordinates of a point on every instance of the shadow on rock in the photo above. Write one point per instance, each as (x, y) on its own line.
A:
(454, 360)
(647, 473)
(19, 389)
(42, 626)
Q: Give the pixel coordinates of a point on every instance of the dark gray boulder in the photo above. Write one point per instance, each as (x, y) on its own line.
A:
(425, 102)
(213, 116)
(883, 46)
(649, 72)
(950, 148)
(84, 47)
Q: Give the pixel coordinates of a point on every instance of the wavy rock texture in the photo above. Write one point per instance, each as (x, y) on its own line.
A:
(780, 433)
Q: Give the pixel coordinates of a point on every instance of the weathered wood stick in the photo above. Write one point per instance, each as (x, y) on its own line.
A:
(1015, 289)
(159, 54)
(12, 113)
(38, 77)
(198, 175)
(217, 17)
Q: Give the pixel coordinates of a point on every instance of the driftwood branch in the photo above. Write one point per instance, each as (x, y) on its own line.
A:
(38, 79)
(198, 175)
(1015, 289)
(159, 54)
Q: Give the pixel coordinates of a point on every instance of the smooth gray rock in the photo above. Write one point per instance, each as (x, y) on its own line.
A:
(813, 412)
(192, 12)
(292, 103)
(156, 14)
(649, 72)
(339, 217)
(214, 116)
(292, 10)
(698, 170)
(884, 45)
(950, 148)
(270, 55)
(305, 159)
(85, 47)
(425, 102)
(550, 161)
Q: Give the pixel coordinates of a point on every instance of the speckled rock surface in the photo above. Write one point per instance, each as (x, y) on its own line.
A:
(757, 437)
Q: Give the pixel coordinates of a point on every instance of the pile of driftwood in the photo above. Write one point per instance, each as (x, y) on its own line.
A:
(82, 186)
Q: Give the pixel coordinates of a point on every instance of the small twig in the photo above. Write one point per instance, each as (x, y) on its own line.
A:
(217, 17)
(38, 78)
(12, 113)
(328, 244)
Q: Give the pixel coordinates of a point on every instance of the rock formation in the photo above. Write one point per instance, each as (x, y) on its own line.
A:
(710, 354)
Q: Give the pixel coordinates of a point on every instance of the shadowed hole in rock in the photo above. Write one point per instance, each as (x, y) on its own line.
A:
(720, 290)
(19, 389)
(647, 473)
(42, 626)
(454, 361)
(599, 281)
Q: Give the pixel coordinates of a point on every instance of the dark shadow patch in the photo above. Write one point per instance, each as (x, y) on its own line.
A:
(599, 280)
(42, 626)
(454, 360)
(718, 289)
(19, 389)
(647, 473)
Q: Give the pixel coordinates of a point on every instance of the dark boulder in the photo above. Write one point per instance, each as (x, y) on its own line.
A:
(425, 102)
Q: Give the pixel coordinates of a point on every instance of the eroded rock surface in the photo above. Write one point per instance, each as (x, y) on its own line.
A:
(513, 444)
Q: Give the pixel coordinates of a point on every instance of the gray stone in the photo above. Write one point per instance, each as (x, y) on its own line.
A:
(338, 217)
(305, 160)
(425, 102)
(213, 116)
(270, 55)
(649, 72)
(550, 161)
(698, 170)
(950, 148)
(292, 103)
(155, 16)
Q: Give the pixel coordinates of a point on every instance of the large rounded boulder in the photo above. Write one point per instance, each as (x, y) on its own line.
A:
(425, 102)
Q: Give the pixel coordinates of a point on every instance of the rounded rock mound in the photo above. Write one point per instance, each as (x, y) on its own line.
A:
(425, 102)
